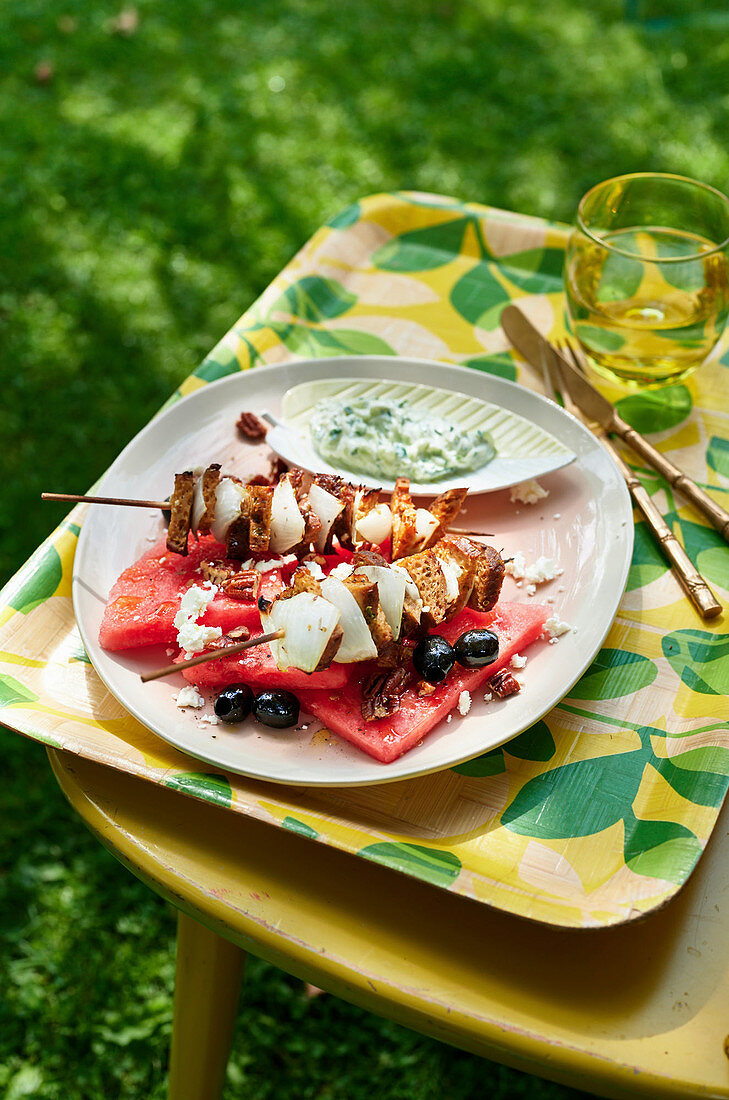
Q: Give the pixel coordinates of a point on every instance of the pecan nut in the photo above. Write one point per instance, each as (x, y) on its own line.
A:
(217, 572)
(381, 694)
(251, 426)
(244, 585)
(503, 684)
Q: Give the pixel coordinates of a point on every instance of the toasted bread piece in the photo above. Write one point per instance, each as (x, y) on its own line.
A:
(425, 570)
(367, 596)
(463, 553)
(180, 512)
(210, 480)
(445, 508)
(258, 509)
(488, 580)
(404, 527)
(364, 501)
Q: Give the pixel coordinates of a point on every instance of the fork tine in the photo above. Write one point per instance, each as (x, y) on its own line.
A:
(547, 375)
(568, 347)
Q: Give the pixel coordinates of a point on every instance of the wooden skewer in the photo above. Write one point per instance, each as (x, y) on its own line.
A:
(164, 504)
(79, 499)
(213, 655)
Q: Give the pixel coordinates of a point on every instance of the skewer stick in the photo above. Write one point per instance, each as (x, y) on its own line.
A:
(213, 655)
(79, 499)
(164, 504)
(468, 531)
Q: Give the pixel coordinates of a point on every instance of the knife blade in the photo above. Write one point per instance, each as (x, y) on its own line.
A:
(530, 343)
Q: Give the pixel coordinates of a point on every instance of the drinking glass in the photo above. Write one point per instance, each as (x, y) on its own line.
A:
(647, 276)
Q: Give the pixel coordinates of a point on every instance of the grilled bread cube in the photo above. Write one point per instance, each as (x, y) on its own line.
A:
(488, 580)
(367, 595)
(404, 524)
(210, 480)
(445, 508)
(425, 570)
(180, 512)
(258, 507)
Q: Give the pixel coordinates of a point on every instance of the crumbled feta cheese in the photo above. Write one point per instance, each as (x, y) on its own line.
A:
(517, 661)
(267, 566)
(527, 492)
(315, 569)
(555, 628)
(464, 703)
(449, 718)
(211, 719)
(487, 697)
(557, 515)
(540, 571)
(543, 569)
(343, 570)
(517, 566)
(531, 589)
(191, 637)
(189, 696)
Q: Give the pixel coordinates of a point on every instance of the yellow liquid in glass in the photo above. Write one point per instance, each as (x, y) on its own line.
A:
(643, 318)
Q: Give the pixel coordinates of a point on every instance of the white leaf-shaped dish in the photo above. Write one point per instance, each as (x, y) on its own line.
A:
(523, 449)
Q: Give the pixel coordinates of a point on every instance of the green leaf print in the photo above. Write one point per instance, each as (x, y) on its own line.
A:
(489, 763)
(705, 788)
(536, 743)
(315, 342)
(422, 249)
(439, 867)
(656, 410)
(661, 849)
(700, 659)
(13, 692)
(314, 299)
(502, 366)
(601, 339)
(577, 799)
(613, 673)
(211, 788)
(222, 361)
(538, 271)
(346, 217)
(717, 455)
(299, 827)
(648, 562)
(479, 296)
(36, 582)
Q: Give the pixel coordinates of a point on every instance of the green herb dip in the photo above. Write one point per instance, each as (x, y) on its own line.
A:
(389, 440)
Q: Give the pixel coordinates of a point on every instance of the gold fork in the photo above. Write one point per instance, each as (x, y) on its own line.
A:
(684, 569)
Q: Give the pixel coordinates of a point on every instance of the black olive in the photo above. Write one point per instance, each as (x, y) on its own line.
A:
(278, 709)
(166, 512)
(433, 658)
(234, 703)
(477, 648)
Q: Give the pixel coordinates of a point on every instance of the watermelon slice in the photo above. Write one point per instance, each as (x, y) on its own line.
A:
(258, 668)
(517, 626)
(145, 599)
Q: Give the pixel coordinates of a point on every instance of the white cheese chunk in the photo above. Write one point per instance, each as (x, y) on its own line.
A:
(191, 637)
(527, 492)
(554, 627)
(189, 696)
(464, 703)
(517, 661)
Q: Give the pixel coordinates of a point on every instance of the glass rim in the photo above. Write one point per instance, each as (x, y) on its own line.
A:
(657, 176)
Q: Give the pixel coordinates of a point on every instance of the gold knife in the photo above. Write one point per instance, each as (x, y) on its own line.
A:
(532, 345)
(536, 350)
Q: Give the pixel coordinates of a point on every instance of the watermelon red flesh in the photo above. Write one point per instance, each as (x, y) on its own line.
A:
(517, 626)
(145, 599)
(258, 668)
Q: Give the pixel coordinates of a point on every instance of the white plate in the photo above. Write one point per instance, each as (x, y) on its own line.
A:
(592, 540)
(523, 449)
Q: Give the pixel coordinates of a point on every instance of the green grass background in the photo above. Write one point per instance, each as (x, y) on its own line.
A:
(150, 191)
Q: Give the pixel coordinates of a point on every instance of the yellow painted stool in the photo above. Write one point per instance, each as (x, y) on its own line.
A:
(640, 1010)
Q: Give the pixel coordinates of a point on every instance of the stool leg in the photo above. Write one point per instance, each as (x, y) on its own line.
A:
(208, 976)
